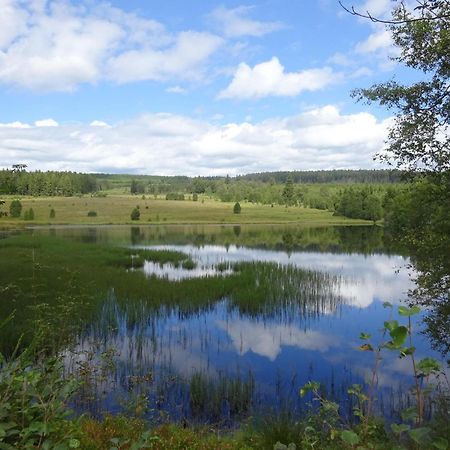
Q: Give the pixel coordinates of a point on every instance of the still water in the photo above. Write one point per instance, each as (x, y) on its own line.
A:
(301, 300)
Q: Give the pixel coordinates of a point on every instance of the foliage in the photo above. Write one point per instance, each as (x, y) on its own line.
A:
(52, 214)
(288, 191)
(420, 138)
(92, 213)
(33, 405)
(15, 208)
(359, 204)
(135, 214)
(237, 208)
(413, 429)
(20, 182)
(174, 196)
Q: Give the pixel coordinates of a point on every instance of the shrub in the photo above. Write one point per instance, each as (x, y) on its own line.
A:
(33, 398)
(52, 214)
(92, 214)
(195, 197)
(15, 208)
(135, 214)
(174, 196)
(237, 208)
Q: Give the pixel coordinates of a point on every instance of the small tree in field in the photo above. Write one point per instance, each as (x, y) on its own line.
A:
(52, 214)
(237, 208)
(135, 214)
(15, 208)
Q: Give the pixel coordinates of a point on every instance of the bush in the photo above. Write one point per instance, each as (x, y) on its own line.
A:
(92, 214)
(174, 196)
(33, 398)
(237, 208)
(195, 197)
(52, 214)
(15, 208)
(135, 214)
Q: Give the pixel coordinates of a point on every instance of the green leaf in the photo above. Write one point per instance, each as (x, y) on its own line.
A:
(400, 428)
(349, 437)
(440, 443)
(427, 366)
(390, 325)
(399, 335)
(74, 443)
(419, 435)
(405, 351)
(365, 336)
(308, 387)
(409, 413)
(405, 311)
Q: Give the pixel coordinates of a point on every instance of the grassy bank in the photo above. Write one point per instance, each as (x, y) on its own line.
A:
(116, 209)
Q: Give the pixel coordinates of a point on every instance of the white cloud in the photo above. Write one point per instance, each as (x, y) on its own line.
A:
(46, 123)
(180, 60)
(166, 144)
(270, 79)
(376, 41)
(176, 90)
(55, 46)
(234, 23)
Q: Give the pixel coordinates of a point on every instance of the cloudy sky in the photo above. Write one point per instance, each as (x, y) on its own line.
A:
(190, 87)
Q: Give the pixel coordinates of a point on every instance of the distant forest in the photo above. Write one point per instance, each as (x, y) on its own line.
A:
(18, 181)
(358, 194)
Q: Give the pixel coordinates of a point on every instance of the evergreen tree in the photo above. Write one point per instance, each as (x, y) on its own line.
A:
(15, 208)
(288, 191)
(237, 208)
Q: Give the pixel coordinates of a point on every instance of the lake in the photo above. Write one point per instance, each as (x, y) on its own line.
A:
(257, 312)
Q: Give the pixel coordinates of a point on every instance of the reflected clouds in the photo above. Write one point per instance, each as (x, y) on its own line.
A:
(268, 339)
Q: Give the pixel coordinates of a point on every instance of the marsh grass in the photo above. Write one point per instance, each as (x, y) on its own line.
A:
(215, 399)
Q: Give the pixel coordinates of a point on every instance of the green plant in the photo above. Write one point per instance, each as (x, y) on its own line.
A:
(33, 405)
(52, 214)
(135, 214)
(412, 429)
(92, 213)
(237, 208)
(15, 208)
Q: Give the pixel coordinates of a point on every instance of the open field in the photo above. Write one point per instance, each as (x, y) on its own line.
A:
(116, 209)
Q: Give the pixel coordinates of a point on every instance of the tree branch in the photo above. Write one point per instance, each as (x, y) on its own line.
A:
(367, 15)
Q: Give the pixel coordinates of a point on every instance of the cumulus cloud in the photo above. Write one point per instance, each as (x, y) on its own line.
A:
(181, 60)
(235, 23)
(270, 79)
(56, 46)
(168, 144)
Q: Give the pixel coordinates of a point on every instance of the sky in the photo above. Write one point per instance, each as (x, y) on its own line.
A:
(202, 87)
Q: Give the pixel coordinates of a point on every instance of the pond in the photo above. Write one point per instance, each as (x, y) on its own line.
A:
(257, 312)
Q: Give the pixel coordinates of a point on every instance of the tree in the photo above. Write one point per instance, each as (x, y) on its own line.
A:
(288, 191)
(419, 140)
(15, 208)
(237, 208)
(135, 214)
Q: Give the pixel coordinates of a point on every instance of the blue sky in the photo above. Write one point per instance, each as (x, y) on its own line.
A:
(195, 88)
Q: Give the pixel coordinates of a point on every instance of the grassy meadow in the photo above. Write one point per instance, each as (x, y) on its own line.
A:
(116, 209)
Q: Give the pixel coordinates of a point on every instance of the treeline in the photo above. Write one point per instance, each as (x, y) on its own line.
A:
(327, 176)
(52, 183)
